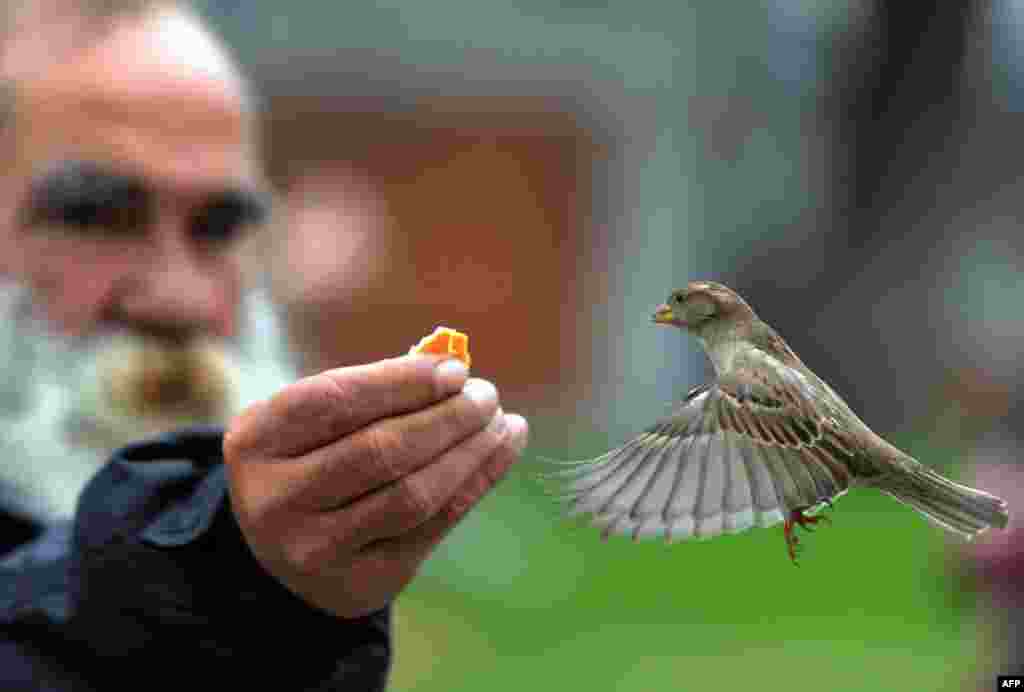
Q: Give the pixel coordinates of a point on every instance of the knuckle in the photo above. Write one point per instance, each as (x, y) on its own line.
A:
(300, 406)
(307, 558)
(291, 399)
(341, 395)
(414, 502)
(314, 398)
(315, 549)
(382, 448)
(475, 489)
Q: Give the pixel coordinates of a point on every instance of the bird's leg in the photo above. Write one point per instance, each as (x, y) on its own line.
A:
(798, 518)
(791, 540)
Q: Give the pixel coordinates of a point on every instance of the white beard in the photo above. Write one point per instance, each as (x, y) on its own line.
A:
(65, 406)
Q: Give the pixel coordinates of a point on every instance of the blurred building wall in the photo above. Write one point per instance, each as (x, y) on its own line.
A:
(473, 213)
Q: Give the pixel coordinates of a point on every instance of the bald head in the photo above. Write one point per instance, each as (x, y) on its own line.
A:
(161, 38)
(159, 72)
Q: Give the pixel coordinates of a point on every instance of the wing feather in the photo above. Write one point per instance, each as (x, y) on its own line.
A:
(658, 492)
(740, 452)
(627, 494)
(739, 500)
(684, 499)
(807, 489)
(762, 487)
(712, 490)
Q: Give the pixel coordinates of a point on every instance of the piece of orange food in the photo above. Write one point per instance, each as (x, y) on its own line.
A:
(445, 341)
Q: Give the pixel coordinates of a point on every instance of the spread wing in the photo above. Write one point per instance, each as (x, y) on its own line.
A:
(742, 451)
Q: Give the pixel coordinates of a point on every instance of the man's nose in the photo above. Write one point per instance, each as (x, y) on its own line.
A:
(181, 290)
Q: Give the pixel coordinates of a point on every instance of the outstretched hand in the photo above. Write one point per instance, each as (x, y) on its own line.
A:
(345, 481)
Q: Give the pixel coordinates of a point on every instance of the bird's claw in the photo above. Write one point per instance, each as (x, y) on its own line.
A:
(798, 518)
(792, 541)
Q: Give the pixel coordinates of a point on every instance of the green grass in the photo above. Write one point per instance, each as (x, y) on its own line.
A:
(519, 599)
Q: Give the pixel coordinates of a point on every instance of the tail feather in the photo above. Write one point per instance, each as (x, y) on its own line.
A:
(957, 508)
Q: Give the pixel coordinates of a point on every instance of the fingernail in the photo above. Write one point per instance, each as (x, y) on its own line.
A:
(481, 392)
(518, 430)
(451, 375)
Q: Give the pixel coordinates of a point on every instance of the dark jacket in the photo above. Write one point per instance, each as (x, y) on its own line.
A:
(154, 572)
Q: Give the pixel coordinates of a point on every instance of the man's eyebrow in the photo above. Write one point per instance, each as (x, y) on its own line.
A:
(80, 184)
(248, 205)
(86, 186)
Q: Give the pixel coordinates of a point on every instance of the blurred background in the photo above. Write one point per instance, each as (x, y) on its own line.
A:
(540, 174)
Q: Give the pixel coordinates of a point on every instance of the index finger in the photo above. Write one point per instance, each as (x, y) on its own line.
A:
(325, 407)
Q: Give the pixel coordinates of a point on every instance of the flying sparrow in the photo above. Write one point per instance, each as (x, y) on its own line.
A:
(766, 441)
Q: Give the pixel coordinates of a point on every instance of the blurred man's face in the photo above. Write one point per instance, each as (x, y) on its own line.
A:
(133, 178)
(125, 189)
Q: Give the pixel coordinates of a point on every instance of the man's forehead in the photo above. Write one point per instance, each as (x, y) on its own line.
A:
(155, 97)
(43, 33)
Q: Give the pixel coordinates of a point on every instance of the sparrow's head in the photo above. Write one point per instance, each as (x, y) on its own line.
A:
(701, 306)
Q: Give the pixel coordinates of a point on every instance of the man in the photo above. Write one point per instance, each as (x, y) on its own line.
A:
(129, 174)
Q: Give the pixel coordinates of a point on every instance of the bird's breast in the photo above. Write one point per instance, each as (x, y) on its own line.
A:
(723, 353)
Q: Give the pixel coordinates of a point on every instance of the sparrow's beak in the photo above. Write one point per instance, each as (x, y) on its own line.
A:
(663, 314)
